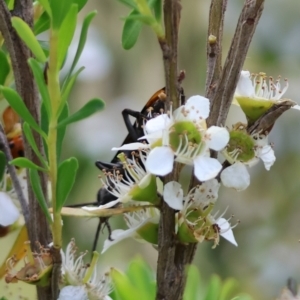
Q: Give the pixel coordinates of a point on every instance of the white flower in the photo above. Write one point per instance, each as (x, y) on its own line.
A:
(256, 93)
(194, 221)
(73, 292)
(73, 268)
(257, 87)
(183, 137)
(236, 176)
(9, 213)
(133, 184)
(9, 203)
(82, 276)
(136, 221)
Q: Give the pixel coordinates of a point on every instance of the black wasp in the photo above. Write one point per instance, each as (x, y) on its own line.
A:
(154, 106)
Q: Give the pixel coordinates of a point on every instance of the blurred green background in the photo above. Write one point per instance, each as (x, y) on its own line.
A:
(269, 210)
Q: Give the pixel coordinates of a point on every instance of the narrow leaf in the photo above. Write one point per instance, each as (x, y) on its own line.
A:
(83, 36)
(37, 189)
(30, 139)
(20, 108)
(193, 284)
(39, 77)
(157, 7)
(131, 31)
(67, 89)
(45, 4)
(23, 162)
(61, 130)
(87, 110)
(42, 24)
(28, 38)
(59, 10)
(214, 288)
(5, 67)
(2, 165)
(129, 3)
(148, 20)
(65, 180)
(66, 33)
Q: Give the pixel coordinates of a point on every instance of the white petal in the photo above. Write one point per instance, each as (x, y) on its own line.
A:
(226, 231)
(152, 137)
(236, 176)
(206, 168)
(173, 195)
(160, 161)
(131, 146)
(217, 137)
(245, 86)
(117, 236)
(198, 107)
(9, 213)
(158, 123)
(96, 209)
(120, 234)
(267, 156)
(73, 292)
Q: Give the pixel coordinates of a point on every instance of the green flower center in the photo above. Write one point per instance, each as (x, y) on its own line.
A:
(183, 135)
(240, 146)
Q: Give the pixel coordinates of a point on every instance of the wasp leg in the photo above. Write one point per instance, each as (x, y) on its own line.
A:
(100, 228)
(135, 131)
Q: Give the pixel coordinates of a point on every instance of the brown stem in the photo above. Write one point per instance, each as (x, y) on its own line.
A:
(38, 229)
(246, 26)
(214, 45)
(171, 263)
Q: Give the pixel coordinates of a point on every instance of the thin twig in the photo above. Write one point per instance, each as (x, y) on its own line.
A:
(246, 26)
(214, 45)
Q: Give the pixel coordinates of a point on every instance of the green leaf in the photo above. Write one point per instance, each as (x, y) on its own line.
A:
(157, 7)
(31, 141)
(39, 77)
(66, 33)
(131, 31)
(23, 162)
(5, 67)
(61, 130)
(67, 89)
(45, 4)
(83, 36)
(214, 288)
(2, 164)
(44, 125)
(141, 276)
(20, 108)
(28, 37)
(87, 110)
(148, 20)
(192, 287)
(37, 189)
(80, 3)
(42, 24)
(65, 180)
(228, 288)
(59, 10)
(130, 3)
(123, 286)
